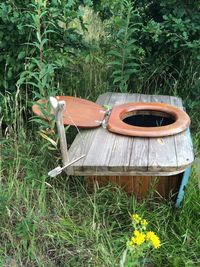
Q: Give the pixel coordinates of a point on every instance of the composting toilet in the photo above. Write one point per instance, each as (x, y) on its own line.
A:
(131, 119)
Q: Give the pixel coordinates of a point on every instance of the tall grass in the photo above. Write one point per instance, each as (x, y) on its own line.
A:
(56, 222)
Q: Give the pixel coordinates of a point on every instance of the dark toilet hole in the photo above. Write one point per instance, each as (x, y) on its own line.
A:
(148, 118)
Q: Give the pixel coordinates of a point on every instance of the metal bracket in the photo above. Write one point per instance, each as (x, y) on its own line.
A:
(58, 170)
(106, 117)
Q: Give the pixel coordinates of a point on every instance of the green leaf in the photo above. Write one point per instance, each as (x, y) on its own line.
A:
(20, 81)
(117, 72)
(99, 60)
(116, 80)
(46, 137)
(40, 121)
(44, 41)
(129, 43)
(116, 63)
(34, 84)
(70, 3)
(120, 32)
(132, 64)
(87, 58)
(48, 31)
(130, 71)
(37, 95)
(38, 37)
(115, 53)
(21, 55)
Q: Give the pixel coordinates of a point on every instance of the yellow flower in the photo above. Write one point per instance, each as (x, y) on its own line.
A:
(144, 222)
(136, 232)
(136, 218)
(138, 238)
(153, 238)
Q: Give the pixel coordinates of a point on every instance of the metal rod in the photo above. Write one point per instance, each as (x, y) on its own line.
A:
(73, 161)
(58, 170)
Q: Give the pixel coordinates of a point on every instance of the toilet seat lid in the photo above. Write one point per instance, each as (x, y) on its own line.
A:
(116, 124)
(78, 112)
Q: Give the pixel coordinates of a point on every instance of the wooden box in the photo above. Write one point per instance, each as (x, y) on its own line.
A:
(139, 165)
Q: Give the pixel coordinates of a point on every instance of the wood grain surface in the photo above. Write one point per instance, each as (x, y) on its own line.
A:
(109, 154)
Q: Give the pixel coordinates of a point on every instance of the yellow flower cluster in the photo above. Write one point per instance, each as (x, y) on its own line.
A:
(137, 219)
(144, 222)
(140, 237)
(153, 238)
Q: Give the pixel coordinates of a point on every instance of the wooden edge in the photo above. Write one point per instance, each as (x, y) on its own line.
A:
(102, 95)
(71, 171)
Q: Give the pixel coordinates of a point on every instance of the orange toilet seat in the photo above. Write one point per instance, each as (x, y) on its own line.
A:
(119, 113)
(87, 114)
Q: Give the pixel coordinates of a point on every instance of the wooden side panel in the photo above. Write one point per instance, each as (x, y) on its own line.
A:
(165, 186)
(160, 187)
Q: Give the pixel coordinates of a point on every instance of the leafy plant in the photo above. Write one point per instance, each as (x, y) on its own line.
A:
(39, 71)
(139, 246)
(126, 53)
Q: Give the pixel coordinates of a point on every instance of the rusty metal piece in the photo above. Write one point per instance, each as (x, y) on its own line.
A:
(80, 112)
(116, 124)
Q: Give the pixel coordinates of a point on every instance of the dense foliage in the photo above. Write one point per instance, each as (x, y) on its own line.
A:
(84, 48)
(66, 46)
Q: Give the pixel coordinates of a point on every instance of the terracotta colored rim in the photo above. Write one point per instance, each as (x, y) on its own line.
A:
(116, 124)
(79, 112)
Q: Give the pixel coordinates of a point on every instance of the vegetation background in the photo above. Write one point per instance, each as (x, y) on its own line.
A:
(84, 48)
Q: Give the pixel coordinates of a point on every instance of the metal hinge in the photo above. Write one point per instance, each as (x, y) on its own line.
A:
(106, 116)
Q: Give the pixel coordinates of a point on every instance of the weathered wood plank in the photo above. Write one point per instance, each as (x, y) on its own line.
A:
(162, 152)
(122, 148)
(140, 148)
(83, 141)
(99, 153)
(183, 142)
